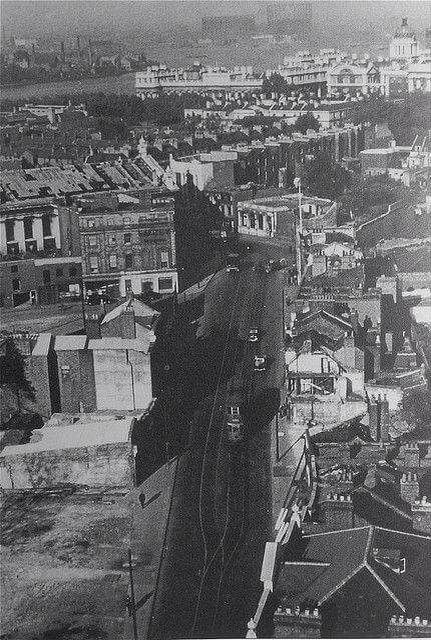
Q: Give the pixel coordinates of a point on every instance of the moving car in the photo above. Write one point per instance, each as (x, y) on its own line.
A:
(260, 363)
(234, 424)
(253, 335)
(234, 404)
(232, 262)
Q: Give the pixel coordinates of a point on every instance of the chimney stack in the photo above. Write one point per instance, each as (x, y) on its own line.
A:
(409, 487)
(337, 510)
(374, 418)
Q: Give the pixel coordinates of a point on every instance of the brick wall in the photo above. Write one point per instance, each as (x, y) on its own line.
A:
(43, 377)
(105, 465)
(291, 623)
(337, 511)
(76, 380)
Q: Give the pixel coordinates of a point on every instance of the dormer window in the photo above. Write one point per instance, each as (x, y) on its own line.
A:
(390, 558)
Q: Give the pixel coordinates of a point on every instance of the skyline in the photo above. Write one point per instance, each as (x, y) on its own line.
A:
(28, 17)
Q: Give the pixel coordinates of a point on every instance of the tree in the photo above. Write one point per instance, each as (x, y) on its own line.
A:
(371, 196)
(275, 84)
(325, 178)
(12, 373)
(306, 121)
(195, 217)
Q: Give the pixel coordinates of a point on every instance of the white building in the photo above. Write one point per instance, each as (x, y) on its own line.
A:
(404, 44)
(29, 227)
(214, 169)
(267, 217)
(353, 78)
(197, 78)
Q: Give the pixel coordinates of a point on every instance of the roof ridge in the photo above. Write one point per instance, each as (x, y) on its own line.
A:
(369, 541)
(325, 533)
(404, 533)
(384, 585)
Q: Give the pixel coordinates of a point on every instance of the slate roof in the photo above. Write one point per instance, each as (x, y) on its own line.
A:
(329, 560)
(323, 323)
(140, 309)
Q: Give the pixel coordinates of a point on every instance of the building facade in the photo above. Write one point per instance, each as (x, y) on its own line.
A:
(353, 78)
(128, 243)
(35, 261)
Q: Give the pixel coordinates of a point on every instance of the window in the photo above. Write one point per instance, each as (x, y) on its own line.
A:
(14, 268)
(90, 223)
(92, 241)
(128, 261)
(126, 220)
(165, 284)
(164, 259)
(146, 286)
(128, 285)
(59, 272)
(94, 264)
(65, 371)
(46, 225)
(325, 365)
(10, 230)
(30, 245)
(113, 261)
(16, 284)
(46, 276)
(72, 272)
(305, 385)
(28, 228)
(127, 238)
(112, 240)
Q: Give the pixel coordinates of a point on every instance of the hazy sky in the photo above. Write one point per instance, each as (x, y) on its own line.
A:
(52, 17)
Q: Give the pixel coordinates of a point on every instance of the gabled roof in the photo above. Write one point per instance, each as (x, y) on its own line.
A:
(140, 309)
(330, 560)
(324, 323)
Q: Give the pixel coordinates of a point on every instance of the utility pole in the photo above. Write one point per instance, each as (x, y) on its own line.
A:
(132, 597)
(297, 183)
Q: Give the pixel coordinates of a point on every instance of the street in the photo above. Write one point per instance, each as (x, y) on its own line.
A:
(221, 512)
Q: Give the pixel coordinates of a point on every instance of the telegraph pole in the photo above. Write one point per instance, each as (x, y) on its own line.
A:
(297, 183)
(132, 596)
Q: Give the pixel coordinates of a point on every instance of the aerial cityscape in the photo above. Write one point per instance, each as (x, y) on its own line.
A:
(215, 320)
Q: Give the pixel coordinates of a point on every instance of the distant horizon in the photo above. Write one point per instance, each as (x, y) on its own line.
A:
(68, 18)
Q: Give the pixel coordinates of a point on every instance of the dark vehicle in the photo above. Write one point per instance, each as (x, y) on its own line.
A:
(232, 262)
(234, 418)
(260, 363)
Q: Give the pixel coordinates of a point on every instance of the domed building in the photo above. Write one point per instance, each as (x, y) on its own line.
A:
(404, 44)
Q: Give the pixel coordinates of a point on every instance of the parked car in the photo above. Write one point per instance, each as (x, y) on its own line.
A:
(260, 363)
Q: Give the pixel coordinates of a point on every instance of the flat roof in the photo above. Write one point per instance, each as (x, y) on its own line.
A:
(119, 344)
(69, 343)
(42, 345)
(74, 436)
(56, 318)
